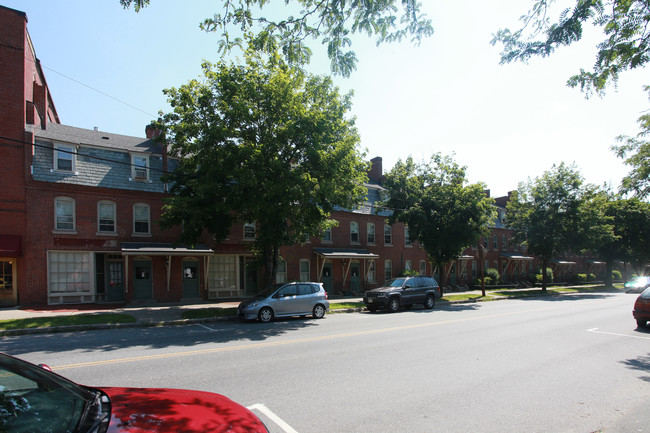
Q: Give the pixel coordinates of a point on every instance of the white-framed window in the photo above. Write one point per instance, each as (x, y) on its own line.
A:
(64, 157)
(408, 265)
(495, 242)
(388, 235)
(407, 237)
(106, 217)
(372, 274)
(504, 242)
(327, 235)
(249, 231)
(370, 228)
(281, 275)
(388, 270)
(69, 273)
(141, 219)
(222, 272)
(64, 214)
(354, 232)
(423, 267)
(304, 270)
(140, 167)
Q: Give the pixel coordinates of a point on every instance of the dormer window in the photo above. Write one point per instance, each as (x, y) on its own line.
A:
(64, 157)
(140, 167)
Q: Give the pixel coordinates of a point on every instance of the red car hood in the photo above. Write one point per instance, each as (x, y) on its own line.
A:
(139, 410)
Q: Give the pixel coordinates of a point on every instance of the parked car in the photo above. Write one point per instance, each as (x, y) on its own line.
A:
(637, 284)
(403, 292)
(641, 310)
(284, 300)
(34, 399)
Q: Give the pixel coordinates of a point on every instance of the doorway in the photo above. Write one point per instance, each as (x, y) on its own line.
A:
(142, 282)
(115, 280)
(191, 279)
(328, 278)
(7, 288)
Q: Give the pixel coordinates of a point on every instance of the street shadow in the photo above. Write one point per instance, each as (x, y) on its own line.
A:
(642, 364)
(564, 297)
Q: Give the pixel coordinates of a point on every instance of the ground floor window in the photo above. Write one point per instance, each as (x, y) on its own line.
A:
(69, 277)
(281, 275)
(304, 270)
(222, 277)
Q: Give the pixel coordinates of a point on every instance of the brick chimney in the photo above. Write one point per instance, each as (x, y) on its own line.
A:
(376, 173)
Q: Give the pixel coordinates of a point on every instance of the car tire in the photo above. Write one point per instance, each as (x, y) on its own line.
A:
(265, 315)
(429, 302)
(641, 323)
(393, 305)
(319, 311)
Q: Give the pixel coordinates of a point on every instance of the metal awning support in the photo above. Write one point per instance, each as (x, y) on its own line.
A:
(348, 254)
(516, 260)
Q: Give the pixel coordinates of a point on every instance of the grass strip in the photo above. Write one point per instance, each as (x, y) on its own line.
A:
(74, 319)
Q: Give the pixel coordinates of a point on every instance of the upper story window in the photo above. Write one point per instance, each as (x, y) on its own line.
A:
(388, 235)
(495, 242)
(371, 233)
(249, 231)
(64, 210)
(327, 235)
(140, 167)
(64, 157)
(106, 217)
(407, 237)
(504, 242)
(354, 232)
(141, 219)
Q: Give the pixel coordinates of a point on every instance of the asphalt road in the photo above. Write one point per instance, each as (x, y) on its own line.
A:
(574, 363)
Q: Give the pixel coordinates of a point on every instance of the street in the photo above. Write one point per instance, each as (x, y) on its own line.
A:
(572, 363)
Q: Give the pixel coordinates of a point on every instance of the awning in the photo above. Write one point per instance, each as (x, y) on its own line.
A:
(466, 257)
(160, 249)
(516, 257)
(562, 262)
(10, 246)
(345, 253)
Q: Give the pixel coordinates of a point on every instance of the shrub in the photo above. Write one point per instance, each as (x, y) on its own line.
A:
(616, 275)
(582, 278)
(488, 281)
(591, 277)
(493, 275)
(549, 275)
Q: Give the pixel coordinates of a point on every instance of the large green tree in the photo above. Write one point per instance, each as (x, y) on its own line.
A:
(260, 143)
(631, 220)
(556, 213)
(443, 213)
(330, 21)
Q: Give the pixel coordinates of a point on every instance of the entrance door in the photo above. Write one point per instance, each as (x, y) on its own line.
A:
(355, 277)
(251, 276)
(191, 278)
(115, 281)
(7, 292)
(142, 283)
(328, 278)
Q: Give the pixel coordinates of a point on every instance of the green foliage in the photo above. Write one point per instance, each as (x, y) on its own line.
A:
(493, 275)
(582, 278)
(549, 275)
(261, 142)
(488, 281)
(443, 213)
(616, 275)
(626, 30)
(409, 273)
(331, 21)
(631, 220)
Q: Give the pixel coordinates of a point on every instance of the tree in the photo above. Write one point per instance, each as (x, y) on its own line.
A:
(631, 219)
(553, 214)
(331, 21)
(260, 143)
(626, 43)
(442, 213)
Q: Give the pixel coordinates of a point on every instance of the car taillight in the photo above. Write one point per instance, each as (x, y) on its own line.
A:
(326, 295)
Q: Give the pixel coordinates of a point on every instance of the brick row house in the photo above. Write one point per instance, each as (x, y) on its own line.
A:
(79, 211)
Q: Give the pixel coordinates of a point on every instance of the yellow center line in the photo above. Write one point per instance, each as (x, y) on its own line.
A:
(283, 343)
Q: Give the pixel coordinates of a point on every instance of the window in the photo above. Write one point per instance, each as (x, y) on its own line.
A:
(485, 243)
(65, 214)
(249, 231)
(495, 242)
(281, 275)
(106, 217)
(141, 219)
(64, 157)
(408, 265)
(504, 242)
(474, 269)
(304, 270)
(423, 267)
(370, 228)
(327, 235)
(354, 232)
(222, 273)
(140, 167)
(372, 277)
(388, 270)
(388, 235)
(407, 236)
(69, 273)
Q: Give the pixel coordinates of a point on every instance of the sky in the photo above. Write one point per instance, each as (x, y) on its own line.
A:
(106, 67)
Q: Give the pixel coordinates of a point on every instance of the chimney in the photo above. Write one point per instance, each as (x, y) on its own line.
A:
(151, 132)
(376, 174)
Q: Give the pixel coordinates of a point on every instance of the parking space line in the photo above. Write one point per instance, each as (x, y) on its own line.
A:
(596, 331)
(273, 417)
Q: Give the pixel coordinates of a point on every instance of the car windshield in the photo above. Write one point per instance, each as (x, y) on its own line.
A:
(268, 292)
(397, 282)
(33, 399)
(645, 294)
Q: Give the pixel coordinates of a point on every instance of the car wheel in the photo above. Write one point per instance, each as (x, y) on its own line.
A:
(265, 315)
(429, 302)
(319, 311)
(641, 323)
(393, 305)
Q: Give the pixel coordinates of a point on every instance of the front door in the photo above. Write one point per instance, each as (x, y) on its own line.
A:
(191, 278)
(250, 276)
(142, 280)
(328, 279)
(7, 288)
(355, 277)
(115, 281)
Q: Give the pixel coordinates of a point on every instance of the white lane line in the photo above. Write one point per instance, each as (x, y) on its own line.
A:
(206, 327)
(596, 331)
(276, 419)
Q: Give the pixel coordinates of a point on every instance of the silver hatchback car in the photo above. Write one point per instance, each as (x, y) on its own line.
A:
(284, 300)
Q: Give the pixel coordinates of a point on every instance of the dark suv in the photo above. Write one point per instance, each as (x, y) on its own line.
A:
(403, 292)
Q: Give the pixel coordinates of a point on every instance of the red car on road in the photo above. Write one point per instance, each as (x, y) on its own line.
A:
(641, 310)
(34, 399)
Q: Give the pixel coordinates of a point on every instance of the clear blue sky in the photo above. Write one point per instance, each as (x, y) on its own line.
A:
(449, 95)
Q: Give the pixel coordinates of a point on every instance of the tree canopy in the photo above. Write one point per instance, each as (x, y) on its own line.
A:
(260, 143)
(442, 212)
(625, 45)
(331, 21)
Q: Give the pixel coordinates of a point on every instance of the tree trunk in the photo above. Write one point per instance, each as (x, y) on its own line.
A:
(608, 276)
(544, 265)
(271, 260)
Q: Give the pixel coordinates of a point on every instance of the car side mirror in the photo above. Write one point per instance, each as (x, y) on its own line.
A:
(407, 287)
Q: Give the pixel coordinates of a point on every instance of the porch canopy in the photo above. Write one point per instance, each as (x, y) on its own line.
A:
(516, 260)
(344, 254)
(10, 246)
(168, 250)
